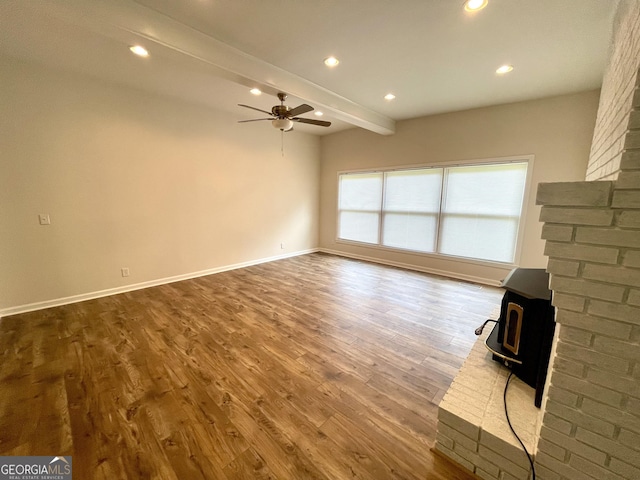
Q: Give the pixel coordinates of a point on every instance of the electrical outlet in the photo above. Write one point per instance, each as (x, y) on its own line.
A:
(282, 246)
(44, 219)
(125, 271)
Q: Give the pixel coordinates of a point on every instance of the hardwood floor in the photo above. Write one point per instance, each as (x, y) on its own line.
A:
(313, 367)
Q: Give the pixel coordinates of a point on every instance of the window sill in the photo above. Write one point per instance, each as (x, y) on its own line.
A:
(439, 256)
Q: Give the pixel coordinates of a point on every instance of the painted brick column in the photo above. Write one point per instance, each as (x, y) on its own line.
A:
(591, 424)
(619, 99)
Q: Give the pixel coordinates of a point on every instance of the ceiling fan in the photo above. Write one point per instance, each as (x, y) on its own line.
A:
(283, 116)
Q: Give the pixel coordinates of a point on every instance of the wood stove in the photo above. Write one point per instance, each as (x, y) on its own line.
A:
(523, 336)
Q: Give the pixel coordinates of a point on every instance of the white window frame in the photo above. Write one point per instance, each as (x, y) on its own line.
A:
(528, 159)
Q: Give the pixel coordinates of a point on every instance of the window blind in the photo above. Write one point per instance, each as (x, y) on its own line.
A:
(481, 211)
(411, 207)
(359, 206)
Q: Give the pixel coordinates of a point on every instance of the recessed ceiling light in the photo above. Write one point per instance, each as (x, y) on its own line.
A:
(331, 61)
(255, 91)
(139, 50)
(504, 69)
(389, 96)
(475, 5)
(318, 113)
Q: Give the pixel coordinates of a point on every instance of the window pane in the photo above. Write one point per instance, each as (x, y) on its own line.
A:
(361, 191)
(479, 237)
(481, 211)
(359, 226)
(410, 232)
(359, 204)
(485, 189)
(413, 190)
(411, 207)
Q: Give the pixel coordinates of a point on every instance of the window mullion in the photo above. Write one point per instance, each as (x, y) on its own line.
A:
(382, 199)
(439, 217)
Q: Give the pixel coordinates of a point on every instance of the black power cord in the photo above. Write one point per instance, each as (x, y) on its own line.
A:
(504, 396)
(478, 331)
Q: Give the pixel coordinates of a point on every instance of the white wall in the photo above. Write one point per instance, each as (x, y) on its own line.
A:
(135, 180)
(556, 130)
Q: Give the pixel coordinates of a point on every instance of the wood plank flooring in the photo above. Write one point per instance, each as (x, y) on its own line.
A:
(315, 367)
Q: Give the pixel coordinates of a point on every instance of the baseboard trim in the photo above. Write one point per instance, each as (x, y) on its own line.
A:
(138, 286)
(408, 266)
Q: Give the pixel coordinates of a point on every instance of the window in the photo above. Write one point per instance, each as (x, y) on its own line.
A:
(410, 211)
(481, 211)
(470, 211)
(360, 203)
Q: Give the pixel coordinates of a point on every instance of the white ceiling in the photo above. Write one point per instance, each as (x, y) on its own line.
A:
(431, 54)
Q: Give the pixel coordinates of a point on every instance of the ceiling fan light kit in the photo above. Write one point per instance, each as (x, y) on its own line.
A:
(283, 124)
(283, 116)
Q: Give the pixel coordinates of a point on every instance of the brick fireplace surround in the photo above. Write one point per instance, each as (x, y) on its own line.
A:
(590, 420)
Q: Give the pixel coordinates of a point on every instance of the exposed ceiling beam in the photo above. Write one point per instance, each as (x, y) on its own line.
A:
(122, 20)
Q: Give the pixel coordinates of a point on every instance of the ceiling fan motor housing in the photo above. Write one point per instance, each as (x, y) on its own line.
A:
(281, 111)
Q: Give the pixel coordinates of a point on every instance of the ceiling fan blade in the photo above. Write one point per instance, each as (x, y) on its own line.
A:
(300, 109)
(320, 123)
(254, 120)
(254, 108)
